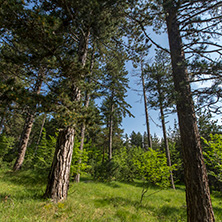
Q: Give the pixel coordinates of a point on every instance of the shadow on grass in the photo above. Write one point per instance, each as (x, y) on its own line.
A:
(27, 178)
(29, 195)
(112, 184)
(115, 201)
(163, 212)
(134, 183)
(28, 185)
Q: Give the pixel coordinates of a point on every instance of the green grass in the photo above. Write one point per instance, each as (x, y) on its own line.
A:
(91, 201)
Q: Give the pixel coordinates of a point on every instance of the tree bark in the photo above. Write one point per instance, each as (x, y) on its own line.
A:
(57, 188)
(199, 207)
(24, 142)
(111, 133)
(58, 180)
(27, 127)
(166, 145)
(77, 177)
(146, 109)
(87, 100)
(40, 134)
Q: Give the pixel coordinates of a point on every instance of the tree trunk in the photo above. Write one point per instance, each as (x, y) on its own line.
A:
(146, 109)
(111, 133)
(57, 188)
(87, 100)
(58, 180)
(199, 207)
(77, 177)
(24, 142)
(167, 150)
(40, 134)
(27, 127)
(166, 145)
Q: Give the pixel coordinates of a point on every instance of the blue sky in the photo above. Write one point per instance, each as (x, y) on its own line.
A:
(135, 99)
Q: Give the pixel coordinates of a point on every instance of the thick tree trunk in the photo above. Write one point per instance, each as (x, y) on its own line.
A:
(167, 150)
(199, 207)
(57, 188)
(58, 180)
(27, 128)
(146, 109)
(111, 134)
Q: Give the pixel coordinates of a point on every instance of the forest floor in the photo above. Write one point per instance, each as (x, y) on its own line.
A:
(21, 200)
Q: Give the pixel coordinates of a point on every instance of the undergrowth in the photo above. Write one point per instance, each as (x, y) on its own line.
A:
(21, 200)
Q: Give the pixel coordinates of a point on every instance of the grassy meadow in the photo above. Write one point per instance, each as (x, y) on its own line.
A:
(21, 200)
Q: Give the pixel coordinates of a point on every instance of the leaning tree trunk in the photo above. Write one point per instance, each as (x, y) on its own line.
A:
(24, 141)
(146, 109)
(58, 180)
(27, 128)
(199, 207)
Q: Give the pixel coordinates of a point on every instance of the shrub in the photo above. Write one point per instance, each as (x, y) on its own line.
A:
(213, 160)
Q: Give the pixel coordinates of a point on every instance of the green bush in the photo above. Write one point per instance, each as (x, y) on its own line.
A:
(78, 166)
(213, 160)
(40, 156)
(6, 149)
(124, 160)
(152, 168)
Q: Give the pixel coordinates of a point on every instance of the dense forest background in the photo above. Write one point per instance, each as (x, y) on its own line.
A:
(58, 58)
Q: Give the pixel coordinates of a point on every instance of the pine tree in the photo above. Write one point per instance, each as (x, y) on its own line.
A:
(114, 106)
(149, 139)
(190, 26)
(160, 87)
(93, 19)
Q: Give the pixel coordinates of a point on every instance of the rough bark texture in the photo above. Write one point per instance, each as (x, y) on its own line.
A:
(58, 180)
(27, 128)
(199, 207)
(57, 188)
(146, 110)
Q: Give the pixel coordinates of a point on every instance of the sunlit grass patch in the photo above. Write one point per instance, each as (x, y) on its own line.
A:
(91, 201)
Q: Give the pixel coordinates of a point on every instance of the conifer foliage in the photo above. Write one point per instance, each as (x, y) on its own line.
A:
(64, 82)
